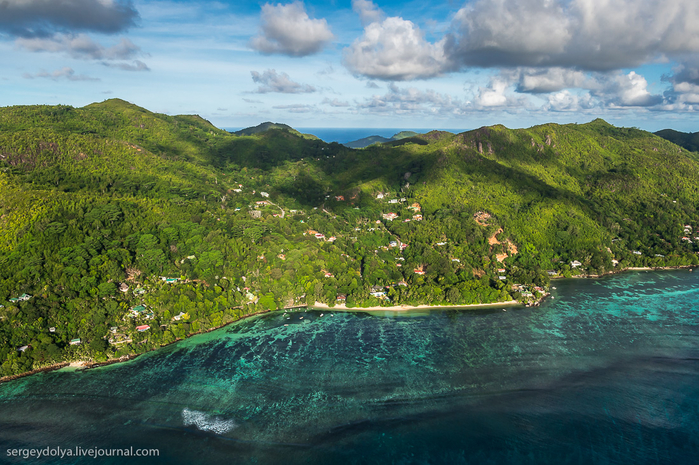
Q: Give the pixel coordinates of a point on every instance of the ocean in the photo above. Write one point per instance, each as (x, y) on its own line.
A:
(604, 372)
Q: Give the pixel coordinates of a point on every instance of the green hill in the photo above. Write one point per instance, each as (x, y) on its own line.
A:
(688, 140)
(367, 141)
(263, 127)
(99, 204)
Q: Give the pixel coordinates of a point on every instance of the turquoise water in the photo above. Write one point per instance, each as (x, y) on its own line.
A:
(607, 372)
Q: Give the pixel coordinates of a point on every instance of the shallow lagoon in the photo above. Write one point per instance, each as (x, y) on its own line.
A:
(607, 372)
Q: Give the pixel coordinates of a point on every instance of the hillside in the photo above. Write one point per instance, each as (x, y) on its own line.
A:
(128, 229)
(263, 127)
(367, 141)
(688, 140)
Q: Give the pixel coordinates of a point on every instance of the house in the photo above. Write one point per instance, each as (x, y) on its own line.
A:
(502, 278)
(554, 272)
(75, 342)
(441, 243)
(341, 297)
(403, 246)
(615, 262)
(123, 287)
(262, 202)
(379, 195)
(52, 329)
(403, 283)
(418, 271)
(389, 216)
(113, 329)
(282, 256)
(23, 348)
(417, 217)
(329, 275)
(169, 280)
(332, 239)
(456, 260)
(340, 198)
(415, 207)
(139, 291)
(501, 270)
(138, 309)
(636, 252)
(264, 194)
(660, 255)
(238, 190)
(320, 236)
(407, 220)
(378, 293)
(142, 328)
(179, 316)
(393, 244)
(393, 201)
(575, 264)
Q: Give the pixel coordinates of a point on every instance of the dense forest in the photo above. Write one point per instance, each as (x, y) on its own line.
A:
(122, 230)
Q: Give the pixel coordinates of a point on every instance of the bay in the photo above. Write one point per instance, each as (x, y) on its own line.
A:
(606, 372)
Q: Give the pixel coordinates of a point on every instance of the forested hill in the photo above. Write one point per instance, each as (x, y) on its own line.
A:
(127, 229)
(688, 140)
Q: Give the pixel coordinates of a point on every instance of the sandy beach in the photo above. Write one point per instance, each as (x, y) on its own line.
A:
(404, 308)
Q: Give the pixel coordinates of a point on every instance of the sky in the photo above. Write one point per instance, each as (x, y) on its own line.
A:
(442, 64)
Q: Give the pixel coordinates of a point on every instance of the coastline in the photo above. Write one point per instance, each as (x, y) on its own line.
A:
(405, 308)
(87, 364)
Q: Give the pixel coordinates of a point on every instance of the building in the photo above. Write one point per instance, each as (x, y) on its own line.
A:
(418, 271)
(75, 342)
(575, 264)
(341, 297)
(417, 217)
(390, 216)
(142, 328)
(264, 194)
(340, 198)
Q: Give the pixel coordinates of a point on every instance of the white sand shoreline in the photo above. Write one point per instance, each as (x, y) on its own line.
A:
(405, 308)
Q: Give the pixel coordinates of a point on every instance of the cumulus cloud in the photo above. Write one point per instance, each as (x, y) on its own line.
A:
(568, 101)
(63, 73)
(287, 30)
(597, 35)
(498, 93)
(367, 10)
(412, 101)
(395, 50)
(32, 18)
(296, 108)
(630, 90)
(80, 46)
(271, 81)
(136, 65)
(335, 103)
(546, 80)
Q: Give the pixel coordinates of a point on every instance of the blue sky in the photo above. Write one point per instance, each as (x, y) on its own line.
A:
(417, 64)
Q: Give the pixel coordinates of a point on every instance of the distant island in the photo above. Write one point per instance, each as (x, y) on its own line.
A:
(122, 230)
(367, 141)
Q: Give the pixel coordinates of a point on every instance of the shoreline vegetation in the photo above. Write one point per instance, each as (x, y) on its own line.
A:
(123, 230)
(88, 364)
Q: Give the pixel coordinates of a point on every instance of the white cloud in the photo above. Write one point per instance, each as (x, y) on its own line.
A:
(367, 10)
(395, 50)
(584, 34)
(287, 30)
(297, 108)
(536, 80)
(271, 81)
(33, 18)
(335, 103)
(569, 102)
(630, 90)
(80, 46)
(65, 72)
(414, 101)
